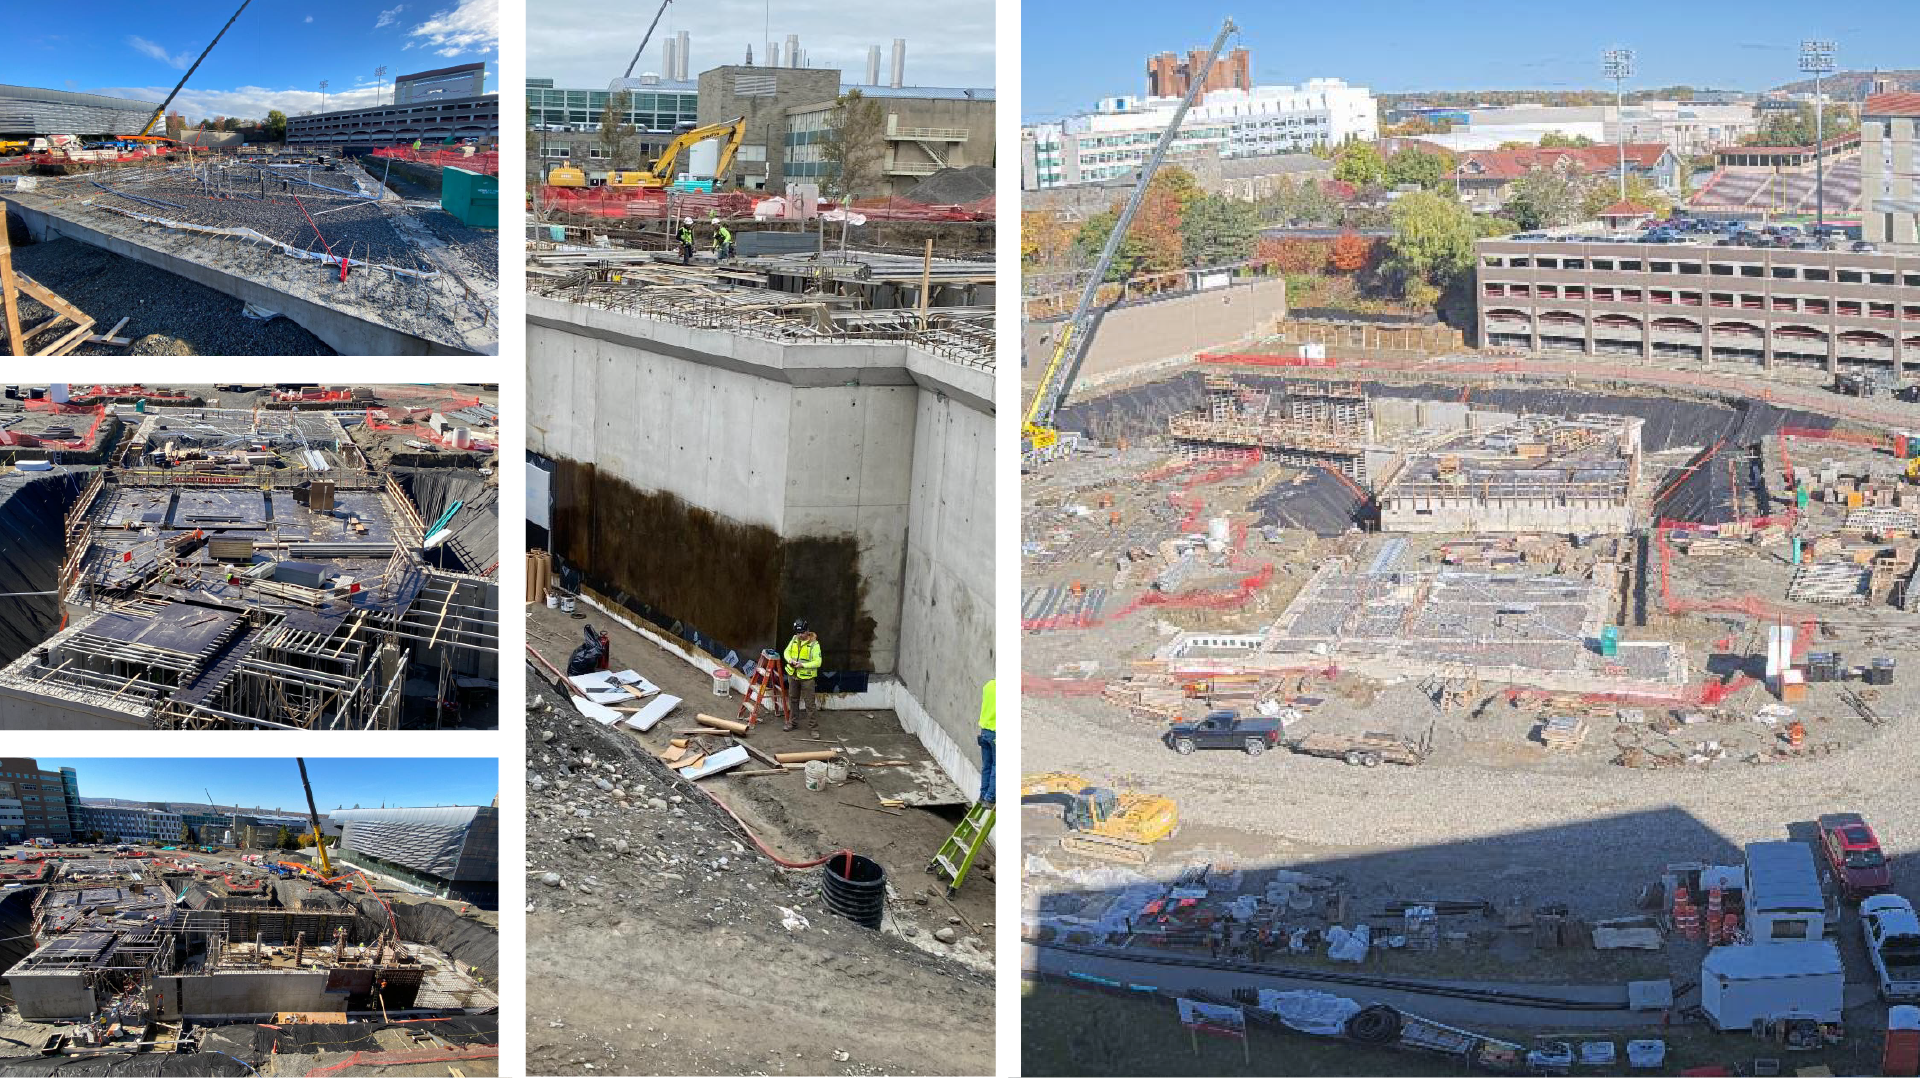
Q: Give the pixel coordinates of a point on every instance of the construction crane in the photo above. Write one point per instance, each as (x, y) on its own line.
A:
(660, 174)
(1057, 379)
(313, 815)
(162, 110)
(647, 38)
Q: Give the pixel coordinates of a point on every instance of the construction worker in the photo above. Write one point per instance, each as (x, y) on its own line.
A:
(986, 743)
(722, 240)
(803, 667)
(686, 241)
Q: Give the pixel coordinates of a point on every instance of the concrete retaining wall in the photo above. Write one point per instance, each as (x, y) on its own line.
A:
(46, 998)
(733, 484)
(1173, 328)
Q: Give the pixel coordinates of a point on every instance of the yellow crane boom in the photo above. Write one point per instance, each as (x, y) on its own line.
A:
(1056, 380)
(313, 815)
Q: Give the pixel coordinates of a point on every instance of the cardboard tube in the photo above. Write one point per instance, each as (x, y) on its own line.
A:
(734, 726)
(806, 755)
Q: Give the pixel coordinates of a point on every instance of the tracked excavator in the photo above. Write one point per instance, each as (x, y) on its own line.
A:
(1102, 823)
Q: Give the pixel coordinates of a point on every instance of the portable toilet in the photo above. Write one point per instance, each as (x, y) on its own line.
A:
(1609, 641)
(1901, 1055)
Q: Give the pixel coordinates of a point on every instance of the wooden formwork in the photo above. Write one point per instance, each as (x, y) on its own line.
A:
(12, 285)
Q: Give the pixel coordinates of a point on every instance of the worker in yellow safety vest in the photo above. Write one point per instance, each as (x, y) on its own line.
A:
(986, 743)
(803, 667)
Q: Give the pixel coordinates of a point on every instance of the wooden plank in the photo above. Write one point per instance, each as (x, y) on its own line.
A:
(49, 297)
(69, 342)
(110, 338)
(16, 342)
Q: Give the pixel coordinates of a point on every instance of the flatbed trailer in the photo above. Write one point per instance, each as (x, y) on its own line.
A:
(1367, 751)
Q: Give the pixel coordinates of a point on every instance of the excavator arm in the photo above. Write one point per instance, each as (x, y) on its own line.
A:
(734, 130)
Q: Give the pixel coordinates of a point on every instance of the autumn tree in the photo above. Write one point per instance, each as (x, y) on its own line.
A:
(1555, 139)
(1544, 199)
(1350, 252)
(1046, 239)
(1359, 163)
(276, 126)
(1292, 254)
(856, 146)
(1415, 166)
(1432, 244)
(619, 140)
(1640, 190)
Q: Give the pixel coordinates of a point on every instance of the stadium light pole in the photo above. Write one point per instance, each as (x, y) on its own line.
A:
(1618, 64)
(1817, 57)
(379, 83)
(323, 95)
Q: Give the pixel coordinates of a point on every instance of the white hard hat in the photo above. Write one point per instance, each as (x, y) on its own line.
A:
(689, 221)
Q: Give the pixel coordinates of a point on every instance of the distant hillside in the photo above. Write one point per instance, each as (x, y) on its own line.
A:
(1853, 85)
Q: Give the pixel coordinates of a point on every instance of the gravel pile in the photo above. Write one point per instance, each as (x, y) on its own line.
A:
(950, 187)
(479, 247)
(169, 315)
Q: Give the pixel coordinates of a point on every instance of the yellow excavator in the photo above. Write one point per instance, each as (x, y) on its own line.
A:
(661, 173)
(1101, 823)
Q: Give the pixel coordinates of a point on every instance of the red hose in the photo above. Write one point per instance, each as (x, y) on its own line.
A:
(769, 852)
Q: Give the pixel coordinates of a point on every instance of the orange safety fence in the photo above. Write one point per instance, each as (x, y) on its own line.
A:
(654, 203)
(480, 161)
(78, 442)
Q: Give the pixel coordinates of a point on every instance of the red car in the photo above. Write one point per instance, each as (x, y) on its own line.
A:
(1853, 855)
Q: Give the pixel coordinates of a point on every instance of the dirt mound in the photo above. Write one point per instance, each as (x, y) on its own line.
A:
(159, 345)
(951, 187)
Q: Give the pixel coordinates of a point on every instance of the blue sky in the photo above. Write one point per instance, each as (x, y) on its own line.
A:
(273, 58)
(274, 783)
(1394, 46)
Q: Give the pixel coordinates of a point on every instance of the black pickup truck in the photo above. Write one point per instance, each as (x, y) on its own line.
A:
(1225, 730)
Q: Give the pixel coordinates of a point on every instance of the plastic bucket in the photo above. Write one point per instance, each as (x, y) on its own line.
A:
(722, 682)
(553, 601)
(566, 604)
(855, 888)
(836, 772)
(816, 775)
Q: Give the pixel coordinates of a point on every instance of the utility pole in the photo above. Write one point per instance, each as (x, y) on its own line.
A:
(1817, 57)
(1618, 65)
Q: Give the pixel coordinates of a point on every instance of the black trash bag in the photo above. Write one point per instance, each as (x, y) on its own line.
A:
(586, 659)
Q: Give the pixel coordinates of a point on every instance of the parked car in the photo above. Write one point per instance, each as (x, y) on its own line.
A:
(1225, 729)
(1893, 944)
(1853, 856)
(1862, 247)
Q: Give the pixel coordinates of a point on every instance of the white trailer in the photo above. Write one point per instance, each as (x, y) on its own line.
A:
(1800, 980)
(1784, 900)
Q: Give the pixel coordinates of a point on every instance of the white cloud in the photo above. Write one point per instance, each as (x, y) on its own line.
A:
(309, 18)
(472, 26)
(390, 16)
(246, 102)
(142, 45)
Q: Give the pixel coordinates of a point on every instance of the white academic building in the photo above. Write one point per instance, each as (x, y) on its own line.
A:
(1115, 139)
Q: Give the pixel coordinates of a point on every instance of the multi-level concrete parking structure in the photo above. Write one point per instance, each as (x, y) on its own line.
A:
(1741, 307)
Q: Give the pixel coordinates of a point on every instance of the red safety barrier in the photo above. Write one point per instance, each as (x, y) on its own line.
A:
(1264, 360)
(653, 203)
(480, 161)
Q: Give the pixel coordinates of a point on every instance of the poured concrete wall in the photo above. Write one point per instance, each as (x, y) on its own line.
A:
(25, 710)
(49, 997)
(1173, 328)
(245, 993)
(735, 484)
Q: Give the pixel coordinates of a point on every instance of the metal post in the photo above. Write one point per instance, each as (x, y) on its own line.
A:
(1618, 64)
(1816, 56)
